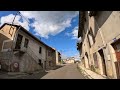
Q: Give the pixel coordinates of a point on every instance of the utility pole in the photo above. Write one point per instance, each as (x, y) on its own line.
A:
(13, 21)
(9, 33)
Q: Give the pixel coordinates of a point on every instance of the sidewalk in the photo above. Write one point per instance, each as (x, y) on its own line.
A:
(90, 74)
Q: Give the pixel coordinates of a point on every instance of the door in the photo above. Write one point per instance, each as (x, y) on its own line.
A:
(103, 62)
(18, 42)
(116, 47)
(87, 59)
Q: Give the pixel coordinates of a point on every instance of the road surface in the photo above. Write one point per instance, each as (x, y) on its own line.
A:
(69, 71)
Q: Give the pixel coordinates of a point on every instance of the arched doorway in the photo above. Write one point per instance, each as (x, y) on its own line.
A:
(86, 60)
(102, 58)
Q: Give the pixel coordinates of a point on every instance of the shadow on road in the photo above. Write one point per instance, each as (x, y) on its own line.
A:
(58, 66)
(34, 75)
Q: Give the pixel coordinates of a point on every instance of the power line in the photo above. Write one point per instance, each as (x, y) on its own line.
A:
(27, 21)
(24, 18)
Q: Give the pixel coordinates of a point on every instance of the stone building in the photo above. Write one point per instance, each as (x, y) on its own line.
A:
(20, 51)
(69, 60)
(100, 42)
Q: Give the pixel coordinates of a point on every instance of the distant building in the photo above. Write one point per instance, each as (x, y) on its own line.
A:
(58, 57)
(69, 60)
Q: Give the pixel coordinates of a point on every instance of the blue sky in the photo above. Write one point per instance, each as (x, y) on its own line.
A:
(57, 29)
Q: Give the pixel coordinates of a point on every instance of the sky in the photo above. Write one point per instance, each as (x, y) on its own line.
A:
(58, 29)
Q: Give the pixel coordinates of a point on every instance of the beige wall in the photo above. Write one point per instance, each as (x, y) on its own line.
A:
(5, 31)
(98, 42)
(27, 61)
(111, 27)
(34, 46)
(58, 57)
(107, 25)
(4, 35)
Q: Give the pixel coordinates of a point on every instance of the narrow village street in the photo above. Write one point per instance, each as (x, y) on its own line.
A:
(67, 45)
(69, 71)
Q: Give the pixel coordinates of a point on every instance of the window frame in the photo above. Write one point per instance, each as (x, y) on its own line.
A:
(26, 43)
(40, 50)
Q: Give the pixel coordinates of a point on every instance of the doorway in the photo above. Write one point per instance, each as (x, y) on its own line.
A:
(86, 54)
(18, 42)
(116, 47)
(40, 63)
(103, 62)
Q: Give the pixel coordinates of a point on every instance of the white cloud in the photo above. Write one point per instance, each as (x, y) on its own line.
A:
(45, 22)
(9, 18)
(79, 40)
(75, 33)
(68, 34)
(63, 56)
(50, 22)
(77, 56)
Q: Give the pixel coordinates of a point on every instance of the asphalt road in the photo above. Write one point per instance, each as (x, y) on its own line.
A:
(69, 71)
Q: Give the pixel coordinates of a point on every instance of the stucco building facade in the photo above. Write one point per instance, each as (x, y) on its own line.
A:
(99, 45)
(20, 51)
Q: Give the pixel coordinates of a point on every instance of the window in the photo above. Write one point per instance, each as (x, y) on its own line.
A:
(49, 53)
(11, 31)
(40, 50)
(49, 63)
(40, 63)
(26, 42)
(18, 41)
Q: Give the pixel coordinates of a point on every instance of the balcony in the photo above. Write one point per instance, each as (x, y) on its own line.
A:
(21, 50)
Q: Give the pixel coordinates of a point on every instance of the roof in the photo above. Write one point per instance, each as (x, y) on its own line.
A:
(27, 32)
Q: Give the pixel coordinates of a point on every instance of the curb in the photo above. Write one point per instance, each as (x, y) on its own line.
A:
(85, 74)
(89, 76)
